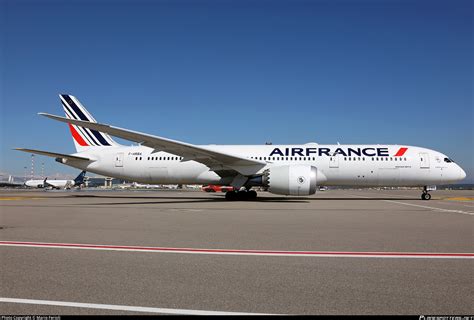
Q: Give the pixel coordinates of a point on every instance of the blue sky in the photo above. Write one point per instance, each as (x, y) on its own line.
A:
(240, 72)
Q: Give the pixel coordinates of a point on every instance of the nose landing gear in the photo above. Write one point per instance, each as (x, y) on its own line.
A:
(425, 195)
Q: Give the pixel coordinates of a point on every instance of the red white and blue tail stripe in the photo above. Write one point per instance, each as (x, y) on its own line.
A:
(83, 137)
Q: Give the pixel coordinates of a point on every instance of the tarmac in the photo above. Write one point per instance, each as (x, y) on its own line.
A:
(189, 252)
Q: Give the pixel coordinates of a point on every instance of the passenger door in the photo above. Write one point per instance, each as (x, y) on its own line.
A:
(424, 160)
(334, 161)
(119, 159)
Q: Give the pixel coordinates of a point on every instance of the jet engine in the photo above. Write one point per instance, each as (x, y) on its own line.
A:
(295, 180)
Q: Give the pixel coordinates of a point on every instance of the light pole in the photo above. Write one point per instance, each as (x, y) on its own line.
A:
(32, 166)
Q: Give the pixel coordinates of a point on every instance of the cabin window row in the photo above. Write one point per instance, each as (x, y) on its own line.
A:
(288, 158)
(331, 158)
(375, 159)
(285, 158)
(160, 158)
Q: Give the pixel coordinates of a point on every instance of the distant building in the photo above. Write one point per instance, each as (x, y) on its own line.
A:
(95, 182)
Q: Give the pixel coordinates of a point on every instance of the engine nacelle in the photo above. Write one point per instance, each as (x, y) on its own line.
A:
(295, 180)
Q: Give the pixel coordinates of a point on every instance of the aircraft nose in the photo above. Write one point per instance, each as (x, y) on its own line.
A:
(462, 173)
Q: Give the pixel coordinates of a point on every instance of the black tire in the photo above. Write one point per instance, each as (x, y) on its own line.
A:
(231, 196)
(241, 195)
(427, 196)
(252, 194)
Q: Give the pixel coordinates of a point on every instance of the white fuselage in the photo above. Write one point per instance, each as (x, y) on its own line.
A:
(337, 165)
(57, 184)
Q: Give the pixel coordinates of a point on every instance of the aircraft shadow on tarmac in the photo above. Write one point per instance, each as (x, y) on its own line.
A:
(176, 200)
(155, 199)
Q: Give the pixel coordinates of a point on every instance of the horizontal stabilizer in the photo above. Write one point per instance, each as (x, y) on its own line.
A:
(54, 154)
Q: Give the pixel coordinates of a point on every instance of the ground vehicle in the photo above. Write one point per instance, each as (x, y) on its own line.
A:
(214, 188)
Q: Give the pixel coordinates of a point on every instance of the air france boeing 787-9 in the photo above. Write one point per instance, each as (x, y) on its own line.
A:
(284, 169)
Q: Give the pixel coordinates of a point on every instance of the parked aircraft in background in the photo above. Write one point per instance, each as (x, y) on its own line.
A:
(283, 169)
(10, 182)
(57, 184)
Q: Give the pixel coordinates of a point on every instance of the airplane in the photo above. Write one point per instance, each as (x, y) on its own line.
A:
(10, 182)
(57, 184)
(295, 170)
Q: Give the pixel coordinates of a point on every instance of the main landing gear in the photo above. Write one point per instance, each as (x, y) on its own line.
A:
(240, 195)
(425, 195)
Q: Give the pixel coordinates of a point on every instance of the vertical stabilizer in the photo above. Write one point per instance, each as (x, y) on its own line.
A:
(80, 178)
(83, 138)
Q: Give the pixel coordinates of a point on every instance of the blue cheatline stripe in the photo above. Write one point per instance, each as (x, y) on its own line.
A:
(83, 117)
(82, 129)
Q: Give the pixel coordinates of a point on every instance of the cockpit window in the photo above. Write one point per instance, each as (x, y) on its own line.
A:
(447, 160)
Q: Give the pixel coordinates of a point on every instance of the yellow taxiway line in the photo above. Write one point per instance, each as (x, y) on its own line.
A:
(18, 198)
(460, 198)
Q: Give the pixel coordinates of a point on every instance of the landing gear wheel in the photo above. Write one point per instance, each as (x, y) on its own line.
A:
(240, 195)
(231, 195)
(425, 196)
(252, 194)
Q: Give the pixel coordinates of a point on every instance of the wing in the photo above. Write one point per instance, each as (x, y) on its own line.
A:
(54, 154)
(215, 160)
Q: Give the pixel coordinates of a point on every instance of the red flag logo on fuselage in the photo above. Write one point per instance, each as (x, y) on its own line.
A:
(401, 152)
